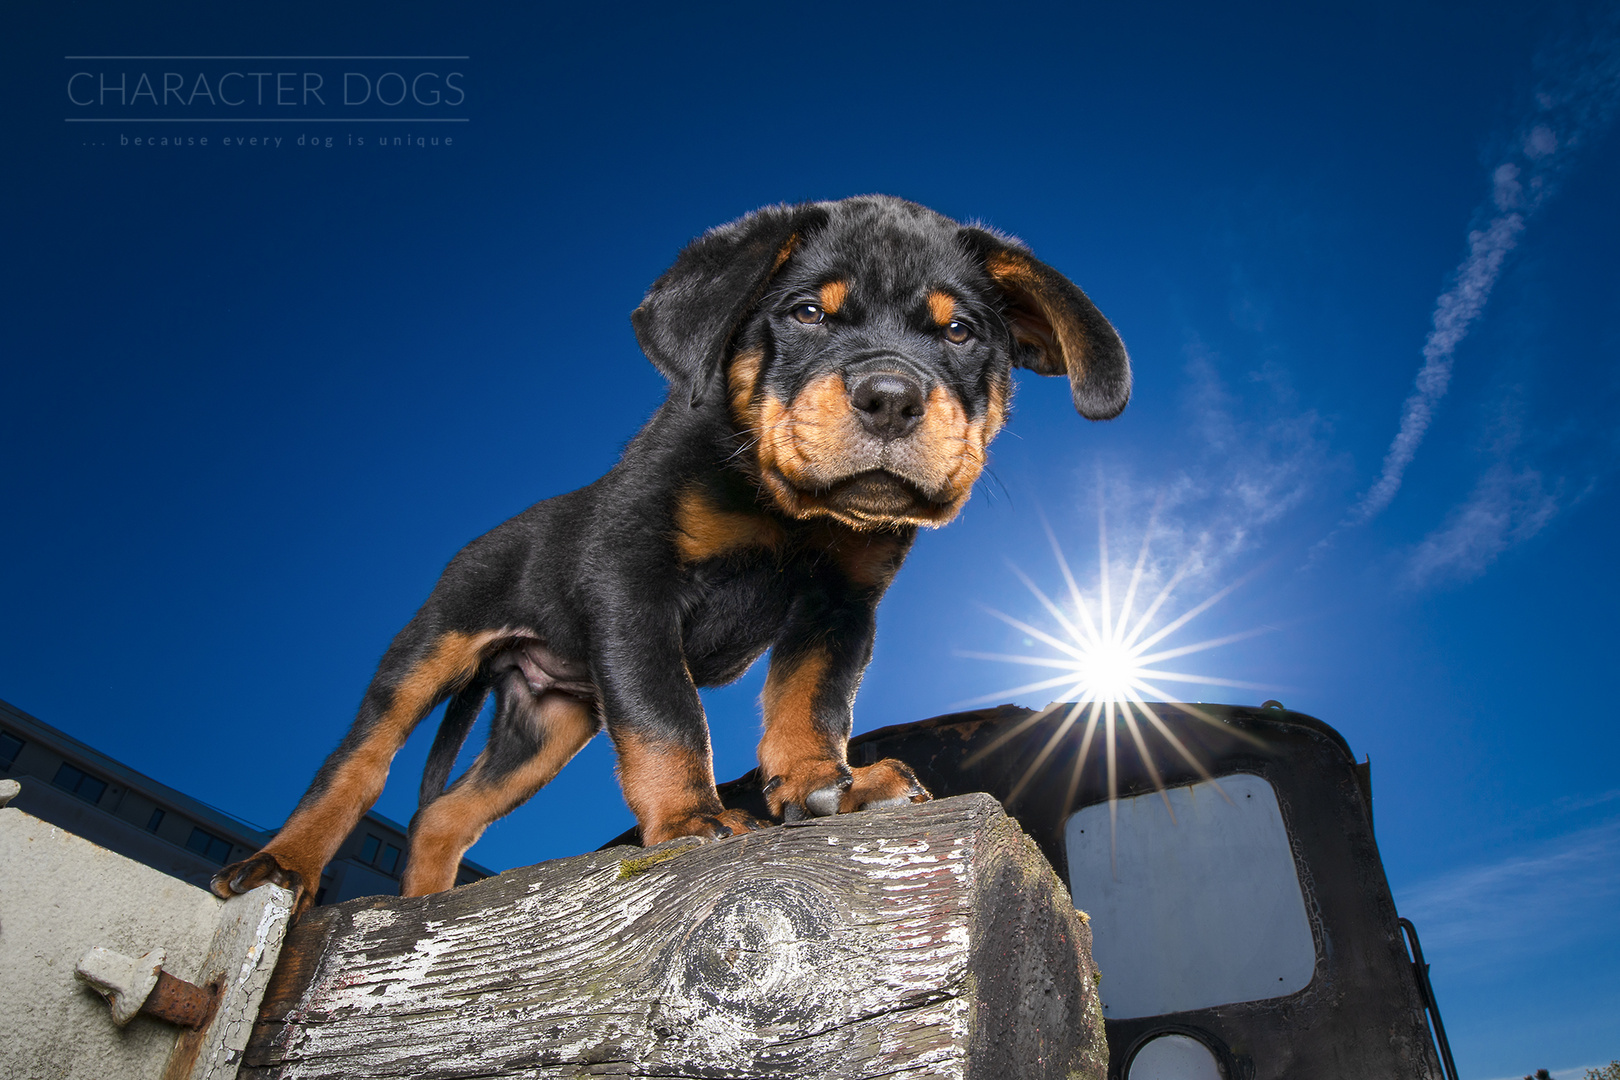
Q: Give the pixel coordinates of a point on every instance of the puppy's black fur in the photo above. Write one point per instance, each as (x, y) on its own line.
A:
(837, 371)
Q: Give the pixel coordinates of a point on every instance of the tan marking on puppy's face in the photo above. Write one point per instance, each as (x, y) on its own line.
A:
(817, 459)
(704, 531)
(1000, 397)
(741, 379)
(815, 428)
(946, 436)
(942, 307)
(802, 445)
(833, 294)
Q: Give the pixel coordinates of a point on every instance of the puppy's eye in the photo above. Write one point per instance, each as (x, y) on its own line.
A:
(957, 333)
(809, 313)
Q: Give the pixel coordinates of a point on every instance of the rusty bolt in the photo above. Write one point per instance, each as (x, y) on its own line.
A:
(179, 1002)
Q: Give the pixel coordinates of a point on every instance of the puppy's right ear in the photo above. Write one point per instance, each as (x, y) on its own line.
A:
(687, 320)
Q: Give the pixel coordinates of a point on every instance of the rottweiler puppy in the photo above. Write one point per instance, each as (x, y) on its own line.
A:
(837, 371)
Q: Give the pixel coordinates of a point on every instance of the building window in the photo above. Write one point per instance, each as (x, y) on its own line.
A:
(155, 820)
(368, 850)
(211, 847)
(10, 747)
(390, 859)
(80, 783)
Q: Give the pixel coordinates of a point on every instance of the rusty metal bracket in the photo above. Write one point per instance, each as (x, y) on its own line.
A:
(135, 985)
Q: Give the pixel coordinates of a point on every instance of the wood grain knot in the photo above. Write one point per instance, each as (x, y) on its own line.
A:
(769, 953)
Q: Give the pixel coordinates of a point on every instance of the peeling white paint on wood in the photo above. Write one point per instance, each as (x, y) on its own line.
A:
(852, 946)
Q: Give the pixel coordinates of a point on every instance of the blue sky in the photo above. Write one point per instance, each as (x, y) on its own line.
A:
(256, 396)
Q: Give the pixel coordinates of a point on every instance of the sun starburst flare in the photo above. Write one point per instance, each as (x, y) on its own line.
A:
(1109, 661)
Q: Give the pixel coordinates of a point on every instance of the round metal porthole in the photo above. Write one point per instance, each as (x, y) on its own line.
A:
(1172, 1056)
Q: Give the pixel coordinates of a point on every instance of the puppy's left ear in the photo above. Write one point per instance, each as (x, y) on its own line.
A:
(687, 320)
(1056, 329)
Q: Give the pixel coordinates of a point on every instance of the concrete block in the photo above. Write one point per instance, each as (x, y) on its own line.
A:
(61, 896)
(66, 903)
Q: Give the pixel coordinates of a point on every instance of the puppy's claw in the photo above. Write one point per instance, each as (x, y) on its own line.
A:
(258, 869)
(703, 827)
(885, 784)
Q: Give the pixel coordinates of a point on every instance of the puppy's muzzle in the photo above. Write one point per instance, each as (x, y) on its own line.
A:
(874, 445)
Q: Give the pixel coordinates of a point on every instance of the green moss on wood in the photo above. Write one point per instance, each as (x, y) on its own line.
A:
(629, 868)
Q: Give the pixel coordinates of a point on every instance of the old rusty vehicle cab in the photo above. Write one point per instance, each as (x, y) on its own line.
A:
(1241, 917)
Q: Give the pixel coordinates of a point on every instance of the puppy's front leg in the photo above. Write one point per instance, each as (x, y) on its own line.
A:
(656, 721)
(809, 696)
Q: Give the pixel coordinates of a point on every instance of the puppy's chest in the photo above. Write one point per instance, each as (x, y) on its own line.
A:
(722, 543)
(737, 604)
(746, 589)
(733, 610)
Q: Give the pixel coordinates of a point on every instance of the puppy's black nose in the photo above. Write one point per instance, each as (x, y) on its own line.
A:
(889, 404)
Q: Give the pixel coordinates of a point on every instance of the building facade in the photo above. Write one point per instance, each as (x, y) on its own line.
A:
(77, 788)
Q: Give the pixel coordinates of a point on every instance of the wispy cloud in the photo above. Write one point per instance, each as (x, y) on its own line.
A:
(1454, 314)
(1263, 455)
(1507, 506)
(1260, 456)
(1511, 502)
(1571, 803)
(1577, 99)
(1540, 899)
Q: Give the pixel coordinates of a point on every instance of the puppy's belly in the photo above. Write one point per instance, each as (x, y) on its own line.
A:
(546, 671)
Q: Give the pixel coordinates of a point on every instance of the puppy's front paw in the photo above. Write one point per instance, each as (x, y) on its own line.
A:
(260, 869)
(890, 782)
(808, 789)
(703, 826)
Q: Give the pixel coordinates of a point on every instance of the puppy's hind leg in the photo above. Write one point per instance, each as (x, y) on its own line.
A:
(531, 738)
(416, 674)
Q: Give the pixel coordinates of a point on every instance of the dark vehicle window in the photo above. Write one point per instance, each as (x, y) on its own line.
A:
(10, 747)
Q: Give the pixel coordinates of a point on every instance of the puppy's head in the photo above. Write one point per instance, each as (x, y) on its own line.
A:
(863, 349)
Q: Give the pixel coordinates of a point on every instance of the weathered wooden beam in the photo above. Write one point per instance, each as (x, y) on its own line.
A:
(925, 941)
